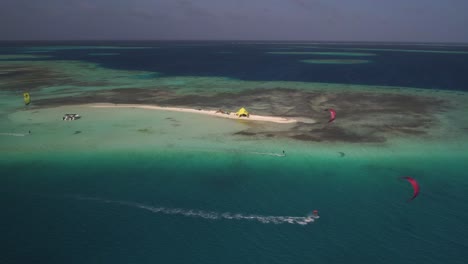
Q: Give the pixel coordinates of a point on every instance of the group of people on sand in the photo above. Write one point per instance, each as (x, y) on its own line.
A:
(223, 112)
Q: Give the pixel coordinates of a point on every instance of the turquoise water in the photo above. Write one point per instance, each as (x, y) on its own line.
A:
(143, 186)
(365, 216)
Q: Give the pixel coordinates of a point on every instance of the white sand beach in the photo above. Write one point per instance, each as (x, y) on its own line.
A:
(231, 115)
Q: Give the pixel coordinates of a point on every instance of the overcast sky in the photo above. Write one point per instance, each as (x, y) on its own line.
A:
(334, 20)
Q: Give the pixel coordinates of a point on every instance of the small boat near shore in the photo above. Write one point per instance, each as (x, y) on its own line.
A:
(70, 117)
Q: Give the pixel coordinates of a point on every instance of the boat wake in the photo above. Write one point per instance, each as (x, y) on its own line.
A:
(13, 134)
(264, 219)
(267, 154)
(237, 151)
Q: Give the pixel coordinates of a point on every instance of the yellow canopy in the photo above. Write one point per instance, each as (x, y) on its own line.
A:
(27, 98)
(242, 112)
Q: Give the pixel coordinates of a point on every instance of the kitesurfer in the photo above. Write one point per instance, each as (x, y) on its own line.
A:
(315, 213)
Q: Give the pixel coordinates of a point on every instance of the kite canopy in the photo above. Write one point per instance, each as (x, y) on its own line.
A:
(27, 98)
(242, 112)
(332, 114)
(415, 185)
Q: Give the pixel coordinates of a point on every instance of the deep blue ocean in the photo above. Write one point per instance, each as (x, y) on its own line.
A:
(244, 61)
(184, 206)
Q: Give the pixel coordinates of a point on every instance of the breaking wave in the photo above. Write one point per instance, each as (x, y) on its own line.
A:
(264, 219)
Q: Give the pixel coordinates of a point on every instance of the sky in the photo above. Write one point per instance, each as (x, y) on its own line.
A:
(288, 20)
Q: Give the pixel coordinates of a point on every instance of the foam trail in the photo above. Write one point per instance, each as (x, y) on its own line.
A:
(13, 134)
(264, 219)
(238, 152)
(267, 154)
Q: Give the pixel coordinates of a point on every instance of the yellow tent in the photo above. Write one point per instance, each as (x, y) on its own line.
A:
(242, 112)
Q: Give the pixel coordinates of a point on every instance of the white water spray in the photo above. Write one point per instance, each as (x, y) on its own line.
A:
(13, 134)
(264, 219)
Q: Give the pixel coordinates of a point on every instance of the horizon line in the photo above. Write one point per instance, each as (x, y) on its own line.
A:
(232, 40)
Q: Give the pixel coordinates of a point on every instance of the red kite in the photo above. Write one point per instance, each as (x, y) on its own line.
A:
(332, 114)
(415, 185)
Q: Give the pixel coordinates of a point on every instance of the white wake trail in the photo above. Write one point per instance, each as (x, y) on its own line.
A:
(268, 154)
(264, 219)
(13, 134)
(237, 151)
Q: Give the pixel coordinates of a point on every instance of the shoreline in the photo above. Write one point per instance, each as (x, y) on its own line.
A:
(231, 115)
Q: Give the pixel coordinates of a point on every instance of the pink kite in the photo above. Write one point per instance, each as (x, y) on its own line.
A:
(415, 185)
(332, 114)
